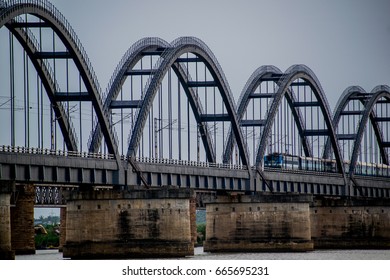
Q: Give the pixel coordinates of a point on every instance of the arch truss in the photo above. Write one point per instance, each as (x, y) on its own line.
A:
(176, 97)
(286, 114)
(362, 122)
(58, 86)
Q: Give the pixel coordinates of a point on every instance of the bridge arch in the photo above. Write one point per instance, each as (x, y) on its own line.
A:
(132, 56)
(263, 74)
(379, 95)
(169, 58)
(351, 94)
(126, 68)
(301, 72)
(30, 45)
(49, 17)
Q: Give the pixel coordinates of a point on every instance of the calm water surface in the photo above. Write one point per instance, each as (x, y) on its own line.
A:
(200, 255)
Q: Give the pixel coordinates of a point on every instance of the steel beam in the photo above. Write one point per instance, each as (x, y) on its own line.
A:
(360, 96)
(272, 77)
(351, 113)
(382, 119)
(304, 83)
(53, 55)
(245, 123)
(153, 53)
(384, 101)
(72, 96)
(215, 118)
(128, 104)
(202, 84)
(316, 132)
(346, 136)
(306, 104)
(386, 144)
(189, 59)
(29, 24)
(139, 72)
(261, 95)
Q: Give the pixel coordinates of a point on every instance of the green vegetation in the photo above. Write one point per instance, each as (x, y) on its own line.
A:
(47, 232)
(49, 240)
(200, 227)
(201, 231)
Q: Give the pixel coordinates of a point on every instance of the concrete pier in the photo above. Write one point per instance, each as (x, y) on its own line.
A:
(258, 223)
(62, 228)
(6, 252)
(22, 221)
(129, 224)
(339, 223)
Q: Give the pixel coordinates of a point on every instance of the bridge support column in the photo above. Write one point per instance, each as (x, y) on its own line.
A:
(6, 252)
(129, 224)
(194, 232)
(62, 228)
(22, 221)
(339, 223)
(258, 223)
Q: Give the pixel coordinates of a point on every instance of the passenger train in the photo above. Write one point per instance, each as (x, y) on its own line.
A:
(286, 161)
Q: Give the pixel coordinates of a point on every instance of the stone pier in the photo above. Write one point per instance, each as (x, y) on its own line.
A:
(255, 223)
(6, 252)
(339, 223)
(22, 221)
(62, 228)
(129, 224)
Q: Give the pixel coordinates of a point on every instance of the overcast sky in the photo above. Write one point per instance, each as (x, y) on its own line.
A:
(344, 42)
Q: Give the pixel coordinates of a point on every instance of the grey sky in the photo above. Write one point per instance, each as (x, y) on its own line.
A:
(344, 42)
(45, 212)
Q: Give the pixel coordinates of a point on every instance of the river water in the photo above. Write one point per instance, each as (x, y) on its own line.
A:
(200, 255)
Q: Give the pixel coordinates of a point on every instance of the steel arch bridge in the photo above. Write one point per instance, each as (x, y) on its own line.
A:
(176, 117)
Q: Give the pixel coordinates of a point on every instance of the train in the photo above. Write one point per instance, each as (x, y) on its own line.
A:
(286, 161)
(372, 169)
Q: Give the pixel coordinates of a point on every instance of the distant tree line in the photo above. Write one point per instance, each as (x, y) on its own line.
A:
(49, 220)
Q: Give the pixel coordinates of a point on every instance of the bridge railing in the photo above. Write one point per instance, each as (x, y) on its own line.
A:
(188, 163)
(40, 151)
(45, 151)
